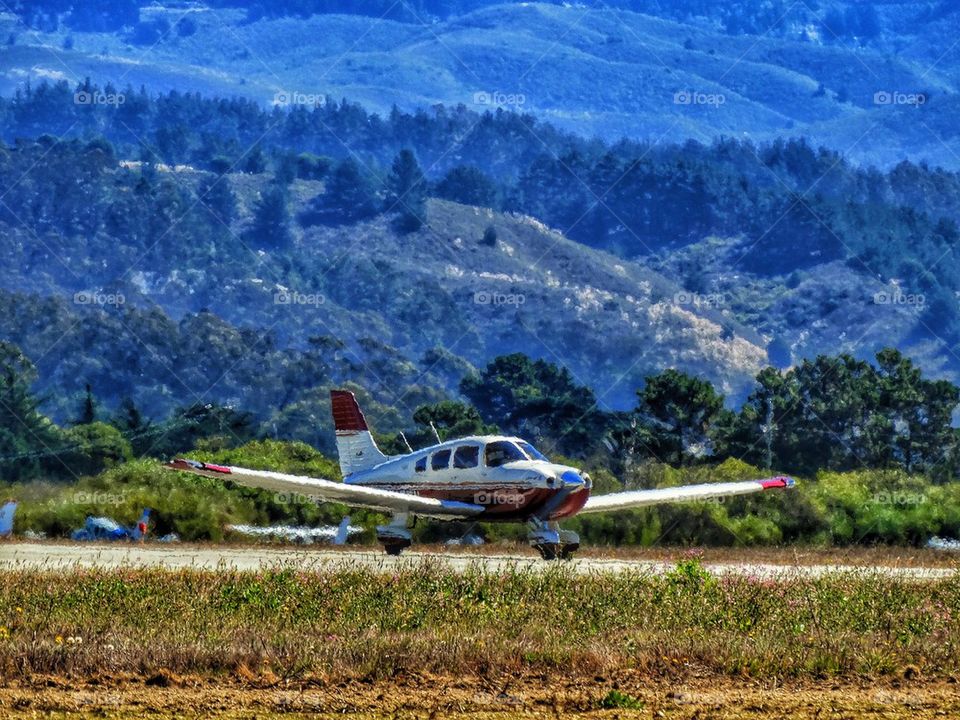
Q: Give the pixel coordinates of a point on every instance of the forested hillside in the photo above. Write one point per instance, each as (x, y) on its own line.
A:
(431, 230)
(874, 80)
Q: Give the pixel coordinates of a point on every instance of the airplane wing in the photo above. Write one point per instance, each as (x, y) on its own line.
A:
(684, 493)
(328, 491)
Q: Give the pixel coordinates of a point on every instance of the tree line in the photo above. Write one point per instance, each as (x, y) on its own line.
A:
(832, 413)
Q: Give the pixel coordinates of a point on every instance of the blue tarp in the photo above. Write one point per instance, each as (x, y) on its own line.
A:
(7, 512)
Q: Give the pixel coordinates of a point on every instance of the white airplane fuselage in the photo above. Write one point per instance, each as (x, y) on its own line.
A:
(500, 473)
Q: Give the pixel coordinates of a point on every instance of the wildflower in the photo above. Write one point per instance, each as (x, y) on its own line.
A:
(58, 639)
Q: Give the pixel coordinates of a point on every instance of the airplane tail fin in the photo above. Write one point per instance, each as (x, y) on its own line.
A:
(140, 531)
(355, 444)
(343, 532)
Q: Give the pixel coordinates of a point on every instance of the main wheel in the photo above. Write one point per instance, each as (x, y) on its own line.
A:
(566, 553)
(548, 551)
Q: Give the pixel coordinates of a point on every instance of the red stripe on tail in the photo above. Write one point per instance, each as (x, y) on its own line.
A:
(347, 415)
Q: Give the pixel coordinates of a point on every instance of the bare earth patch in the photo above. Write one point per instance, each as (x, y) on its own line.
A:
(518, 696)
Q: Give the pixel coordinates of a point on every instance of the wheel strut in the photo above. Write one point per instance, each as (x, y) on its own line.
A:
(550, 541)
(395, 536)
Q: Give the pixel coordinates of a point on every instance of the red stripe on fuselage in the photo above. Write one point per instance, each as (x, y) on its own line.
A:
(571, 506)
(510, 504)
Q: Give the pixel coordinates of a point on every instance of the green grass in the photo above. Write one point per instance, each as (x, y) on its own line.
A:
(617, 699)
(357, 623)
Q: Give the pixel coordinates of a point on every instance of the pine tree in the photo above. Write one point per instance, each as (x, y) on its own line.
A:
(490, 236)
(217, 197)
(349, 197)
(128, 418)
(271, 219)
(88, 410)
(468, 185)
(679, 409)
(26, 437)
(407, 192)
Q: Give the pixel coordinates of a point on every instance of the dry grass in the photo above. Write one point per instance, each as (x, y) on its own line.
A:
(284, 625)
(789, 556)
(506, 698)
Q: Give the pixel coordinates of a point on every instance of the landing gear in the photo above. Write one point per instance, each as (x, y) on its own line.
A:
(569, 544)
(551, 542)
(395, 537)
(394, 549)
(548, 551)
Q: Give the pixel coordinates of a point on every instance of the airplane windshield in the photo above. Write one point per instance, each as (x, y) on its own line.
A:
(501, 452)
(532, 452)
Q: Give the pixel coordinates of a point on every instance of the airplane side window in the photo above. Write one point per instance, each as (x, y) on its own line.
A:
(467, 456)
(501, 452)
(440, 460)
(421, 465)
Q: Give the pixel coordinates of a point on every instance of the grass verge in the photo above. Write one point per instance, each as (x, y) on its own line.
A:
(358, 623)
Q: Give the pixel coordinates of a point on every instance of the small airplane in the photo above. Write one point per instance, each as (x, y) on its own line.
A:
(104, 528)
(489, 478)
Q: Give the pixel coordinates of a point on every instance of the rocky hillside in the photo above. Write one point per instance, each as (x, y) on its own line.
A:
(449, 285)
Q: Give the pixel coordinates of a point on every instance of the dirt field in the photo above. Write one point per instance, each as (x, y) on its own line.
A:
(688, 698)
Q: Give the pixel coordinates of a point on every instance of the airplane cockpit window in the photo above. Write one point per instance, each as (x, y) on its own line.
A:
(440, 460)
(502, 451)
(532, 452)
(466, 456)
(421, 465)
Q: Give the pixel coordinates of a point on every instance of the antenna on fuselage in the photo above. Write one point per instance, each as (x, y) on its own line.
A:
(435, 433)
(405, 441)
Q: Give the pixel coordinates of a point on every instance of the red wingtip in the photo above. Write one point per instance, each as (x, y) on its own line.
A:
(347, 416)
(777, 482)
(194, 465)
(217, 468)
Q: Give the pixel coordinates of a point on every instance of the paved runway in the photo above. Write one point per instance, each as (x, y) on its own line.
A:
(57, 556)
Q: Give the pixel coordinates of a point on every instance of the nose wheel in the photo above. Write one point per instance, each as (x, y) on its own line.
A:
(395, 548)
(551, 542)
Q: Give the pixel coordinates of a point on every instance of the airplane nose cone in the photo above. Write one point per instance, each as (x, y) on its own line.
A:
(572, 479)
